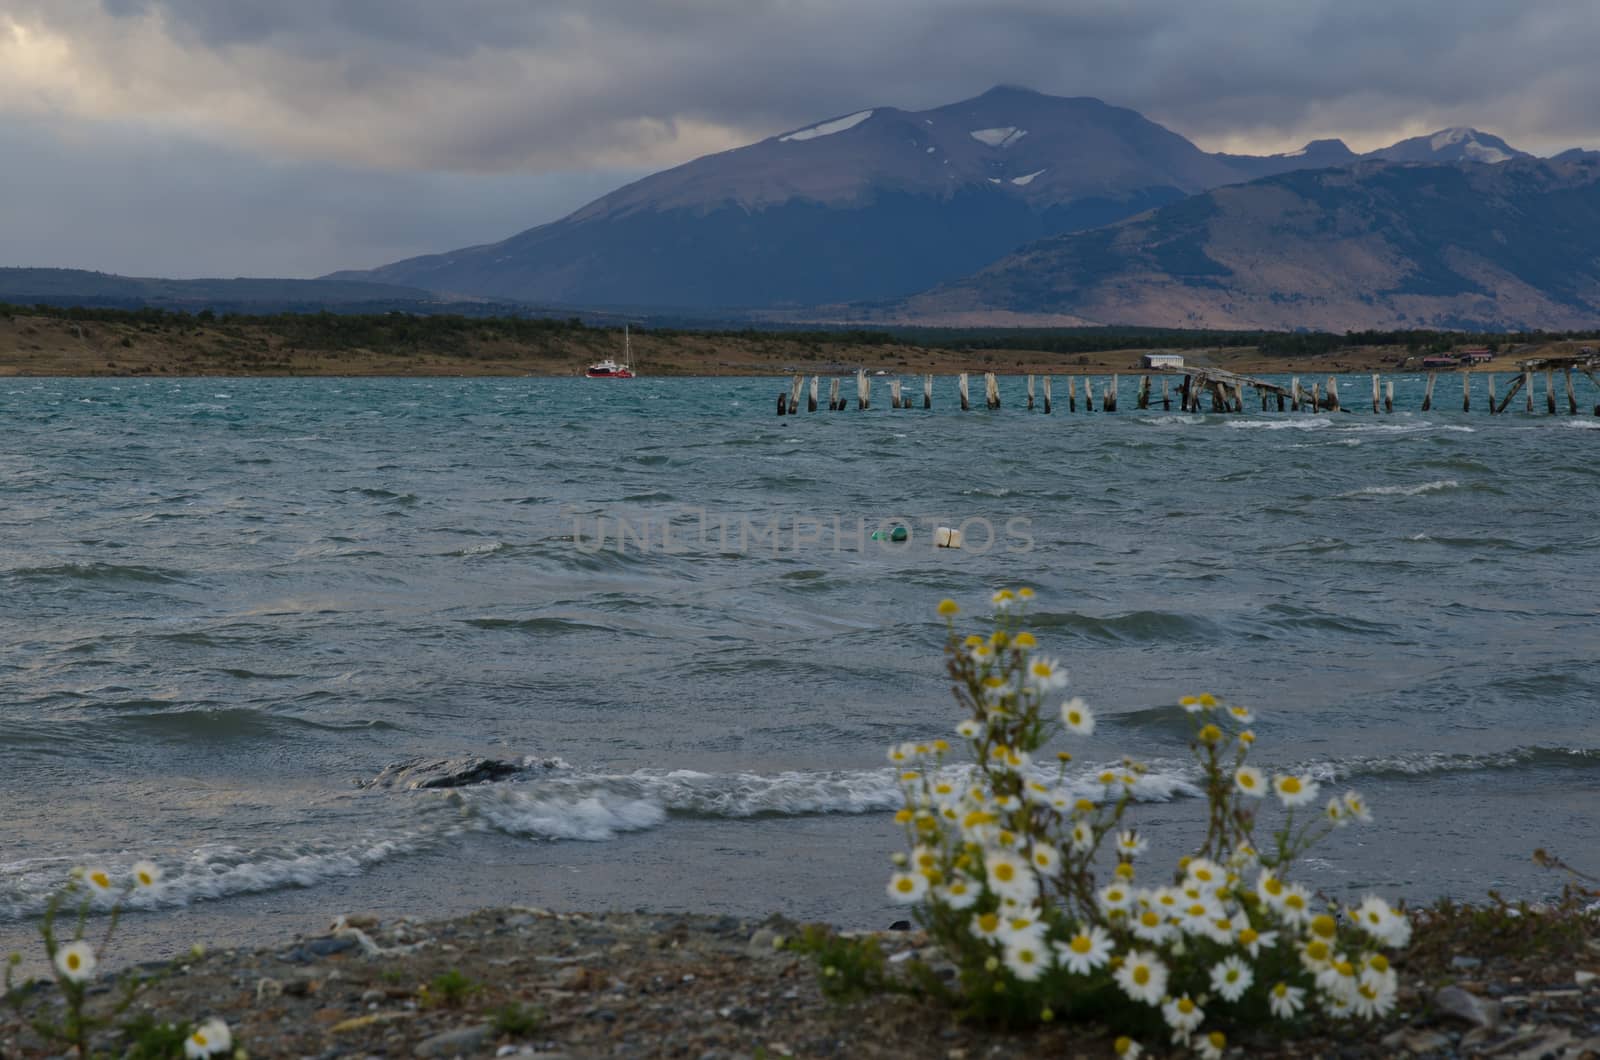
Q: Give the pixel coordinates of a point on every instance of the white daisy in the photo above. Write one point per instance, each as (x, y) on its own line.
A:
(1151, 926)
(1045, 858)
(1205, 872)
(1025, 957)
(1295, 907)
(1356, 806)
(1046, 674)
(971, 729)
(1082, 837)
(1248, 780)
(1381, 922)
(1294, 790)
(75, 961)
(1143, 977)
(989, 926)
(146, 874)
(1085, 951)
(1211, 1046)
(1231, 977)
(1077, 717)
(1130, 844)
(907, 887)
(959, 893)
(1286, 1001)
(1183, 1016)
(209, 1039)
(1114, 898)
(1009, 875)
(99, 880)
(1337, 815)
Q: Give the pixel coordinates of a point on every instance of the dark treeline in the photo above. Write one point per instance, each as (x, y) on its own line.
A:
(396, 329)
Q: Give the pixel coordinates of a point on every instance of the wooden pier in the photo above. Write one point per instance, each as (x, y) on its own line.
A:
(1202, 388)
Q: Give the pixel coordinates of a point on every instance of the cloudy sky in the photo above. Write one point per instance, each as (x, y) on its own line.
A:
(295, 137)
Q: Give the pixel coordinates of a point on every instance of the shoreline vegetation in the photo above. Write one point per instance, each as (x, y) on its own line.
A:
(1493, 979)
(46, 341)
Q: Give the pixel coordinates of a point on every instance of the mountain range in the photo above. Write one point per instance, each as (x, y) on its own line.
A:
(882, 204)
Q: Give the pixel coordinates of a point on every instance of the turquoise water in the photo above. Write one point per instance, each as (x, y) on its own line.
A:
(227, 601)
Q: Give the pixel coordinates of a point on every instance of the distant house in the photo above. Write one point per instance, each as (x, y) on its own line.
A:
(1475, 355)
(1586, 351)
(1163, 360)
(1439, 361)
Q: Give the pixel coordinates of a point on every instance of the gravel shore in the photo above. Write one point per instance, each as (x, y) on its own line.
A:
(532, 983)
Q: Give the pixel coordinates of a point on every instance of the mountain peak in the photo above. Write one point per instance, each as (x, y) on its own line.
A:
(1458, 143)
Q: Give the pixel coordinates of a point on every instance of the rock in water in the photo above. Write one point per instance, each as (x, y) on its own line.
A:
(459, 772)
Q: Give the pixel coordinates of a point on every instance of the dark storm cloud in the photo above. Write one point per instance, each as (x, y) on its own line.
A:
(334, 94)
(536, 83)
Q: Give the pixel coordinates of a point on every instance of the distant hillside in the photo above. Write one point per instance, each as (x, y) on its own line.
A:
(875, 204)
(82, 287)
(1379, 245)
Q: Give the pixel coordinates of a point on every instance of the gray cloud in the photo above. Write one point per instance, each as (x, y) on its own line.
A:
(122, 198)
(301, 98)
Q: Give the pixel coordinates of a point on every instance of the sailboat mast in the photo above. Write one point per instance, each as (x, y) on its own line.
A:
(627, 349)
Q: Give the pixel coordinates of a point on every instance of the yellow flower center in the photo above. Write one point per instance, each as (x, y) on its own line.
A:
(1291, 785)
(73, 961)
(1248, 936)
(949, 607)
(905, 885)
(1150, 918)
(989, 923)
(1081, 944)
(1317, 950)
(1273, 885)
(1005, 872)
(1210, 734)
(1185, 1006)
(1323, 925)
(100, 879)
(1379, 962)
(1141, 975)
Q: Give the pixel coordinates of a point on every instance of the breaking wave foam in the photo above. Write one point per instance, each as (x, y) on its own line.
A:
(1404, 491)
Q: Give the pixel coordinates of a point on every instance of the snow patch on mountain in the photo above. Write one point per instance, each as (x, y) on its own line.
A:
(1001, 136)
(1445, 137)
(1484, 153)
(828, 128)
(1026, 178)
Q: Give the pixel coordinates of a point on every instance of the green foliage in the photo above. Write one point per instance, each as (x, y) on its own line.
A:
(849, 968)
(151, 1039)
(517, 1020)
(1006, 853)
(450, 990)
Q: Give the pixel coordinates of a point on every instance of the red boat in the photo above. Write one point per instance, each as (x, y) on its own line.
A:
(610, 369)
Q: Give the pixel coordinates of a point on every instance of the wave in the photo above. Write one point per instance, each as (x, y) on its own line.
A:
(595, 807)
(212, 871)
(1403, 491)
(1134, 626)
(1433, 763)
(99, 572)
(1315, 423)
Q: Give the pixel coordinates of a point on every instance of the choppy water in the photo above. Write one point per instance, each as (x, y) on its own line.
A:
(226, 601)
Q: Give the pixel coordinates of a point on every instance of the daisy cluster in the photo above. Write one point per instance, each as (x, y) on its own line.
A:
(1005, 867)
(74, 962)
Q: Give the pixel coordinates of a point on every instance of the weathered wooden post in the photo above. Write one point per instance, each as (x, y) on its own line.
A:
(1427, 392)
(1388, 396)
(1072, 393)
(1572, 395)
(1527, 382)
(794, 393)
(811, 398)
(835, 402)
(961, 383)
(1466, 391)
(991, 391)
(1030, 393)
(1141, 400)
(1166, 398)
(1374, 393)
(894, 393)
(1316, 397)
(1088, 394)
(863, 390)
(927, 391)
(1491, 393)
(1550, 391)
(1281, 399)
(1047, 395)
(1110, 403)
(1294, 390)
(783, 400)
(1333, 394)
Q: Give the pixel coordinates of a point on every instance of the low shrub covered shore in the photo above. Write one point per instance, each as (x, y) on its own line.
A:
(1489, 980)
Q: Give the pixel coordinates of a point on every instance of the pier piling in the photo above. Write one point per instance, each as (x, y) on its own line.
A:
(1427, 393)
(991, 391)
(863, 390)
(1047, 395)
(927, 391)
(1030, 393)
(961, 384)
(811, 398)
